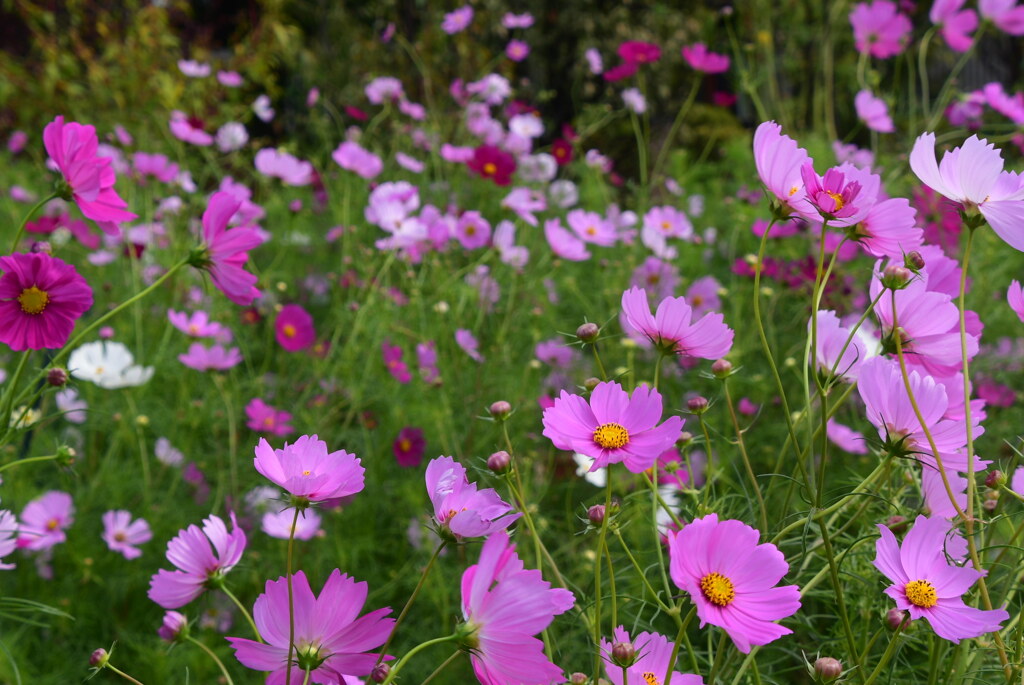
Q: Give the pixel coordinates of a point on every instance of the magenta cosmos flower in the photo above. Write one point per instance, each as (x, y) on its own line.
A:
(879, 28)
(639, 52)
(928, 585)
(198, 567)
(392, 355)
(671, 329)
(1006, 14)
(701, 59)
(293, 328)
(41, 297)
(653, 651)
(266, 419)
(493, 163)
(308, 471)
(731, 579)
(354, 157)
(613, 427)
(504, 606)
(973, 176)
(44, 519)
(329, 640)
(457, 21)
(122, 534)
(459, 508)
(409, 447)
(90, 178)
(832, 195)
(224, 252)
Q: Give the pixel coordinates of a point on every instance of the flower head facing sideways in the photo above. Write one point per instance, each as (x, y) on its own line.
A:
(731, 579)
(308, 471)
(671, 328)
(197, 566)
(779, 161)
(330, 641)
(504, 605)
(224, 252)
(928, 585)
(41, 298)
(460, 510)
(612, 427)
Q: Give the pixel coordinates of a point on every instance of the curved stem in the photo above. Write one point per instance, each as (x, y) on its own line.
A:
(28, 460)
(28, 217)
(680, 116)
(746, 458)
(291, 597)
(413, 652)
(440, 668)
(723, 642)
(412, 598)
(305, 679)
(8, 403)
(245, 612)
(229, 412)
(115, 669)
(643, 576)
(220, 664)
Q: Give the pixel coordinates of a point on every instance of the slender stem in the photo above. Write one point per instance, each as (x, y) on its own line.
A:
(611, 585)
(305, 679)
(657, 370)
(746, 458)
(229, 412)
(25, 220)
(643, 576)
(412, 598)
(8, 403)
(600, 365)
(837, 588)
(413, 652)
(720, 651)
(680, 116)
(291, 597)
(675, 653)
(521, 503)
(440, 668)
(889, 651)
(922, 67)
(625, 675)
(597, 570)
(245, 612)
(115, 669)
(969, 522)
(28, 460)
(220, 664)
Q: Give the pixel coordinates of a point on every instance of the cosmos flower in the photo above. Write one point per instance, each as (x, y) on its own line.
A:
(457, 21)
(279, 164)
(108, 364)
(879, 28)
(779, 162)
(354, 157)
(224, 252)
(468, 342)
(409, 447)
(198, 567)
(653, 651)
(701, 59)
(492, 163)
(122, 534)
(671, 329)
(41, 298)
(956, 23)
(873, 112)
(293, 328)
(308, 471)
(44, 520)
(263, 418)
(460, 509)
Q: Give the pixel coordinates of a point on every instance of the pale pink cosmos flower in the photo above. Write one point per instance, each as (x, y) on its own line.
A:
(354, 157)
(873, 112)
(834, 356)
(73, 406)
(504, 605)
(936, 497)
(215, 357)
(262, 109)
(232, 136)
(613, 426)
(592, 228)
(563, 243)
(524, 202)
(308, 471)
(460, 509)
(264, 418)
(198, 567)
(973, 176)
(594, 61)
(517, 21)
(880, 29)
(1006, 14)
(468, 342)
(384, 89)
(672, 330)
(956, 23)
(409, 162)
(277, 523)
(504, 241)
(44, 520)
(845, 438)
(328, 636)
(226, 251)
(1015, 298)
(155, 165)
(8, 537)
(193, 68)
(122, 534)
(779, 161)
(167, 453)
(279, 164)
(889, 229)
(653, 651)
(634, 100)
(196, 325)
(702, 295)
(230, 79)
(457, 21)
(473, 230)
(517, 50)
(928, 585)
(668, 222)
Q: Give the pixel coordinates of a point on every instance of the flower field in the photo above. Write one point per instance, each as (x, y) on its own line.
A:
(512, 344)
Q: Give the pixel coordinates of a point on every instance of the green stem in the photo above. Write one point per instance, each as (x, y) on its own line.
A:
(680, 116)
(723, 643)
(675, 653)
(8, 403)
(643, 576)
(597, 570)
(600, 366)
(837, 588)
(229, 412)
(746, 458)
(889, 651)
(220, 664)
(413, 652)
(440, 668)
(305, 679)
(291, 597)
(121, 673)
(28, 460)
(245, 612)
(28, 217)
(412, 598)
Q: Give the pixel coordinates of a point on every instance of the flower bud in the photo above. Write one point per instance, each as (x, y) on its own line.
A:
(499, 461)
(722, 368)
(827, 669)
(697, 405)
(66, 455)
(99, 658)
(174, 628)
(57, 377)
(913, 261)
(591, 383)
(500, 409)
(42, 246)
(896, 524)
(995, 479)
(106, 332)
(596, 514)
(684, 439)
(623, 654)
(896, 277)
(894, 617)
(990, 504)
(991, 494)
(578, 679)
(588, 332)
(380, 673)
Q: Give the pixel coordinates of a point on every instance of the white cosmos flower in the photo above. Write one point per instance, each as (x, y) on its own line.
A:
(596, 478)
(108, 364)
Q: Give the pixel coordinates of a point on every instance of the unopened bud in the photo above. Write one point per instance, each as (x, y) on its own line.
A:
(896, 277)
(827, 669)
(995, 479)
(623, 654)
(722, 368)
(500, 409)
(991, 494)
(578, 679)
(697, 405)
(913, 261)
(588, 332)
(990, 504)
(57, 377)
(596, 514)
(684, 439)
(106, 332)
(66, 455)
(99, 658)
(380, 673)
(895, 617)
(591, 383)
(896, 524)
(499, 461)
(42, 247)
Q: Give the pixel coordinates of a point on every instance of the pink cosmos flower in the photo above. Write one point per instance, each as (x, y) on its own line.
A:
(224, 252)
(468, 342)
(563, 243)
(956, 23)
(504, 606)
(121, 533)
(671, 330)
(928, 585)
(701, 59)
(639, 52)
(392, 355)
(613, 427)
(457, 21)
(517, 21)
(591, 227)
(90, 178)
(929, 325)
(197, 324)
(1015, 298)
(8, 537)
(215, 357)
(188, 130)
(277, 523)
(329, 639)
(307, 470)
(620, 72)
(832, 338)
(197, 566)
(653, 651)
(230, 79)
(409, 447)
(279, 164)
(879, 28)
(155, 165)
(293, 328)
(193, 68)
(779, 162)
(845, 438)
(174, 624)
(266, 419)
(524, 202)
(1006, 14)
(493, 163)
(889, 229)
(44, 520)
(703, 295)
(473, 230)
(16, 143)
(354, 157)
(873, 112)
(409, 162)
(731, 579)
(426, 357)
(517, 50)
(832, 195)
(459, 508)
(41, 297)
(973, 176)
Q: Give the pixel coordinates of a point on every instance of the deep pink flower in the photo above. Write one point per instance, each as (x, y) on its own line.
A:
(41, 297)
(832, 195)
(613, 427)
(121, 533)
(459, 508)
(779, 162)
(493, 163)
(354, 157)
(293, 328)
(307, 470)
(504, 606)
(639, 52)
(224, 252)
(671, 330)
(973, 176)
(329, 639)
(517, 50)
(392, 355)
(16, 143)
(72, 147)
(928, 585)
(880, 29)
(215, 357)
(563, 243)
(409, 447)
(873, 112)
(955, 23)
(731, 579)
(197, 566)
(44, 519)
(426, 357)
(653, 651)
(469, 344)
(1006, 14)
(701, 59)
(620, 72)
(266, 419)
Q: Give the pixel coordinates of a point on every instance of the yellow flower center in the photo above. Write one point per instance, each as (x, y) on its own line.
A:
(52, 524)
(33, 300)
(490, 169)
(471, 230)
(193, 329)
(591, 230)
(792, 191)
(611, 436)
(120, 537)
(665, 225)
(650, 678)
(268, 422)
(289, 330)
(717, 589)
(837, 198)
(404, 445)
(305, 472)
(921, 593)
